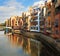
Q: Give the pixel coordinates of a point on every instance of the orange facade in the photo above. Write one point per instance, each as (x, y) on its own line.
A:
(48, 24)
(57, 26)
(48, 21)
(13, 23)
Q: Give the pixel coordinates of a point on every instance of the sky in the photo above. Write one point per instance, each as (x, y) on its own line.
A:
(10, 8)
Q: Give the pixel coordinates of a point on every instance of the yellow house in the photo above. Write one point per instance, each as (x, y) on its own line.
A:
(28, 18)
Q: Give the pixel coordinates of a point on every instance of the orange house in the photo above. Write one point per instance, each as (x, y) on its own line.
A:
(55, 11)
(57, 26)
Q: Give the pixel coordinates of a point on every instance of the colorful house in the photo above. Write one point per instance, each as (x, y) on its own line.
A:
(55, 10)
(35, 20)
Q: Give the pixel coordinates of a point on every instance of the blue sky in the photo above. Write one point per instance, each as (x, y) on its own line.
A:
(24, 2)
(27, 2)
(10, 8)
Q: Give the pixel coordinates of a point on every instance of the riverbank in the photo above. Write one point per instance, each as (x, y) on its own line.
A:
(46, 40)
(2, 28)
(38, 36)
(49, 42)
(18, 45)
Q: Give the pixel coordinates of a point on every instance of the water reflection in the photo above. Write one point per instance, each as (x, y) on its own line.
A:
(29, 46)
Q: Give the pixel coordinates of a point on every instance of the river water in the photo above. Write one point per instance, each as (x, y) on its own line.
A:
(18, 45)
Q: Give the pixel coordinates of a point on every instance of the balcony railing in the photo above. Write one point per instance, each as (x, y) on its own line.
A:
(34, 22)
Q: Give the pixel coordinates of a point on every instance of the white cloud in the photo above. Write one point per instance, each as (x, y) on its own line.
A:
(39, 3)
(10, 8)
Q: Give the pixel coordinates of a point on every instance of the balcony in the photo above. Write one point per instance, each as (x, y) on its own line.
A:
(34, 23)
(34, 17)
(34, 27)
(33, 20)
(34, 12)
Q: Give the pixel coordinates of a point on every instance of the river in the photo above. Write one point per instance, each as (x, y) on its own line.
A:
(18, 45)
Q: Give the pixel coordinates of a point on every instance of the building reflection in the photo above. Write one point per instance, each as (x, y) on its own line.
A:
(29, 46)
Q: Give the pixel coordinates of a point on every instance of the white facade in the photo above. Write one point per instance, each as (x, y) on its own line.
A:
(37, 20)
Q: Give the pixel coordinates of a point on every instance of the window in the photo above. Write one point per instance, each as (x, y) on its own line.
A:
(16, 24)
(49, 28)
(57, 10)
(57, 32)
(42, 29)
(32, 27)
(56, 23)
(54, 1)
(36, 28)
(49, 13)
(41, 23)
